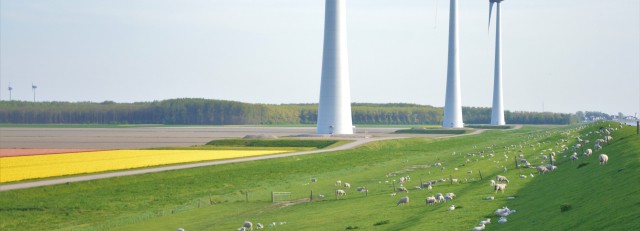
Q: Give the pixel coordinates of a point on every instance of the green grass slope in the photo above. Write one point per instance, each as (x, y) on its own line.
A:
(214, 198)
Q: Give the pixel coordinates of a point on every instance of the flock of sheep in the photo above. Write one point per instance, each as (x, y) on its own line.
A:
(600, 138)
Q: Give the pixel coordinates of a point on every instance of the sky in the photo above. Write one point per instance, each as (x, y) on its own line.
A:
(559, 56)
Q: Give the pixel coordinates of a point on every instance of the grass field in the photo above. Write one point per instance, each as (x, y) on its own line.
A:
(434, 131)
(594, 197)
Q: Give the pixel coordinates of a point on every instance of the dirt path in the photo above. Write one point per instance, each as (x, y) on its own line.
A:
(356, 143)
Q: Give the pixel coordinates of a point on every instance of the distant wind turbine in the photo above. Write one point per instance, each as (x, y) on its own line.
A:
(10, 89)
(497, 112)
(33, 87)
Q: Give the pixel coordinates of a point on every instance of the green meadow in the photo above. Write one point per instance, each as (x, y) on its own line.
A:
(579, 195)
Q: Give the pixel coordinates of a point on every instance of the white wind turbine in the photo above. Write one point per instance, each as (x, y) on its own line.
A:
(497, 112)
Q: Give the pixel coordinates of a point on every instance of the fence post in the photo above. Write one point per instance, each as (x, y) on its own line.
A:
(394, 185)
(311, 196)
(210, 200)
(366, 191)
(246, 196)
(516, 160)
(480, 174)
(272, 198)
(451, 179)
(638, 127)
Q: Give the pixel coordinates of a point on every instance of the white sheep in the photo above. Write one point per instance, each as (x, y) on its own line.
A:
(449, 196)
(588, 152)
(347, 185)
(489, 198)
(403, 189)
(341, 192)
(180, 229)
(430, 200)
(439, 197)
(259, 226)
(493, 182)
(452, 207)
(502, 220)
(248, 225)
(574, 157)
(500, 178)
(403, 200)
(478, 228)
(503, 212)
(597, 147)
(603, 159)
(499, 187)
(338, 183)
(551, 168)
(485, 221)
(429, 187)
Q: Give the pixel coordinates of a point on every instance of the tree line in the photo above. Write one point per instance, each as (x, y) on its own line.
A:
(223, 112)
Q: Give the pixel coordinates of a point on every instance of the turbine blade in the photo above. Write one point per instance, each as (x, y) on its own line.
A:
(490, 9)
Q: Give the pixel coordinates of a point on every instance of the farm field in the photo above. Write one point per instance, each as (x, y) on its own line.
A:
(41, 166)
(222, 197)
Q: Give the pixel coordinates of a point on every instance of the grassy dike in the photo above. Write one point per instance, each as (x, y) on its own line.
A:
(213, 198)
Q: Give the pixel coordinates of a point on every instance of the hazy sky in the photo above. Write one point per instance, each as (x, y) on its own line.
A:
(567, 55)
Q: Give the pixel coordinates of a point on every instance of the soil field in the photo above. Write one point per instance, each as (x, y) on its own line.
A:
(148, 137)
(39, 151)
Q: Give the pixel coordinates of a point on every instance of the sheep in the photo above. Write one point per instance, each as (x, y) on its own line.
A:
(485, 221)
(588, 152)
(523, 176)
(551, 168)
(489, 198)
(573, 157)
(603, 159)
(429, 187)
(493, 182)
(180, 229)
(242, 229)
(338, 183)
(500, 178)
(503, 212)
(449, 196)
(597, 147)
(248, 225)
(440, 197)
(608, 139)
(340, 192)
(452, 207)
(502, 220)
(347, 185)
(403, 189)
(430, 200)
(403, 200)
(478, 228)
(259, 226)
(313, 180)
(499, 187)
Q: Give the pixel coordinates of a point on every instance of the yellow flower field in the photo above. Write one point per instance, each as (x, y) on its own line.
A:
(40, 166)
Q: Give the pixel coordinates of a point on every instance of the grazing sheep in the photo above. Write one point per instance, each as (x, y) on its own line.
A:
(340, 192)
(429, 187)
(259, 226)
(493, 182)
(573, 157)
(313, 180)
(180, 229)
(242, 229)
(478, 228)
(489, 198)
(597, 147)
(499, 187)
(452, 207)
(608, 138)
(449, 196)
(430, 200)
(248, 225)
(523, 176)
(403, 200)
(603, 159)
(588, 152)
(502, 220)
(485, 221)
(503, 212)
(500, 178)
(338, 183)
(403, 189)
(347, 185)
(551, 168)
(392, 194)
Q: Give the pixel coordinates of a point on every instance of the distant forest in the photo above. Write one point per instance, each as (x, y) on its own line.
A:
(222, 112)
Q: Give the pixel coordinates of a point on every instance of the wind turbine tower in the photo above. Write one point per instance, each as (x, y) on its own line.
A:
(497, 112)
(453, 106)
(334, 110)
(10, 89)
(33, 87)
